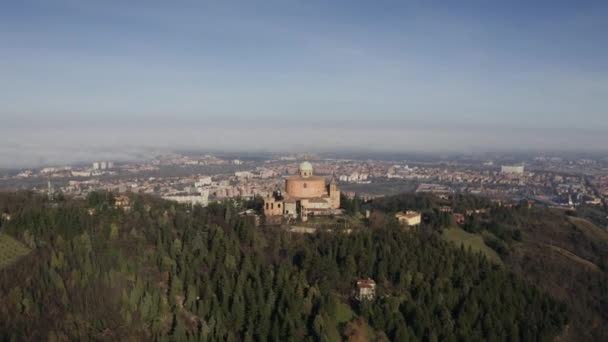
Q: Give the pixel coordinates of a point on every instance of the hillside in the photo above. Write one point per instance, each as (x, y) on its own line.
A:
(171, 272)
(567, 258)
(564, 255)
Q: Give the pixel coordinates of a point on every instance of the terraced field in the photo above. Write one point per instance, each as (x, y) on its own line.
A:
(11, 250)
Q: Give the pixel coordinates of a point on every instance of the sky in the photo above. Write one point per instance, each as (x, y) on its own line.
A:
(84, 79)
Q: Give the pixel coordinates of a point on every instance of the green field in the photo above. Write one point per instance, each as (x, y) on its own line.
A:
(459, 236)
(344, 313)
(10, 250)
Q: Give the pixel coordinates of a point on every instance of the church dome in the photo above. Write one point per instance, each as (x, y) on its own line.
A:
(305, 169)
(305, 166)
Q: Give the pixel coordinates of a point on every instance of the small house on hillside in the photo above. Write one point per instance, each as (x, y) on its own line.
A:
(409, 218)
(459, 218)
(252, 215)
(123, 202)
(366, 289)
(446, 209)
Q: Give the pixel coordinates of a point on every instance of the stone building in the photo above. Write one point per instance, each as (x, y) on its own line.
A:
(274, 204)
(305, 195)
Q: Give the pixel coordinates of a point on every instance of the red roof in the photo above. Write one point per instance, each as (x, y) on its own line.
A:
(366, 283)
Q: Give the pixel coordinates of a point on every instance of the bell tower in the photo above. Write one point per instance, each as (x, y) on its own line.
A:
(334, 194)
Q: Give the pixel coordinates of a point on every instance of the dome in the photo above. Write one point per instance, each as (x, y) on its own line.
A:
(305, 169)
(306, 166)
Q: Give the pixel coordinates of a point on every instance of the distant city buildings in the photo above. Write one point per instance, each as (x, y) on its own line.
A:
(103, 165)
(243, 174)
(354, 177)
(48, 170)
(25, 174)
(512, 169)
(200, 198)
(434, 188)
(85, 173)
(203, 181)
(559, 182)
(266, 173)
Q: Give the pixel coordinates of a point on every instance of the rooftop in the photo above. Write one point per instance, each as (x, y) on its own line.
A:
(408, 214)
(366, 283)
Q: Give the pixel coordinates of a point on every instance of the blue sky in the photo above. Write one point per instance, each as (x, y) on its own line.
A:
(294, 65)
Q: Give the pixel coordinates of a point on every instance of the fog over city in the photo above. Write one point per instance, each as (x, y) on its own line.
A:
(38, 146)
(82, 80)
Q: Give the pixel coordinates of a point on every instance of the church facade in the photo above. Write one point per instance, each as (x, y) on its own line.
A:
(305, 195)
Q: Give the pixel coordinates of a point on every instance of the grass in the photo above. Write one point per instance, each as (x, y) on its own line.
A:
(590, 229)
(11, 250)
(574, 257)
(459, 236)
(344, 313)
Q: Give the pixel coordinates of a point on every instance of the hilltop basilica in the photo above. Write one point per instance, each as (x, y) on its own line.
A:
(305, 195)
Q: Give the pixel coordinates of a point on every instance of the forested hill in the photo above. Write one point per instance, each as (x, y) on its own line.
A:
(562, 252)
(164, 272)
